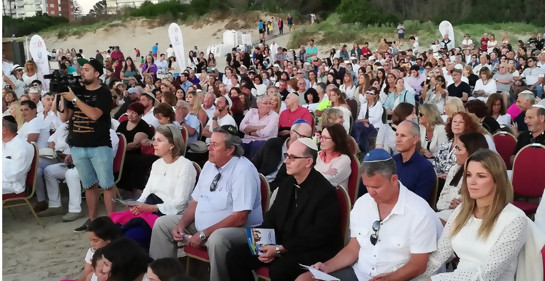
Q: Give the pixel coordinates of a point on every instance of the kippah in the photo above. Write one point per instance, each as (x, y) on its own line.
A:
(309, 143)
(539, 105)
(377, 155)
(230, 129)
(9, 118)
(96, 65)
(300, 120)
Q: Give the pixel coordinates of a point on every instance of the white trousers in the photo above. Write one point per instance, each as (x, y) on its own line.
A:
(52, 175)
(40, 187)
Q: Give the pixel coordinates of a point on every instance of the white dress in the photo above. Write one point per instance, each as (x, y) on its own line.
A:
(448, 193)
(495, 258)
(341, 164)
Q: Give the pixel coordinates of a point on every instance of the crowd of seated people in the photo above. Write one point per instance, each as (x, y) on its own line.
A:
(423, 127)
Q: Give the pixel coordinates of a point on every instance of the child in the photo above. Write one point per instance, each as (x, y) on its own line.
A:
(100, 231)
(164, 269)
(97, 264)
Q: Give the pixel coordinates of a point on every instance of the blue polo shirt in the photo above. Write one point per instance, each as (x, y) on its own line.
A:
(417, 174)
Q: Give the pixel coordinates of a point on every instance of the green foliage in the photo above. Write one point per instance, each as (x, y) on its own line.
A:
(150, 10)
(30, 25)
(362, 11)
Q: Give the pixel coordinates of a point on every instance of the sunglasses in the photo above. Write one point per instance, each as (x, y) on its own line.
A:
(370, 92)
(374, 236)
(214, 184)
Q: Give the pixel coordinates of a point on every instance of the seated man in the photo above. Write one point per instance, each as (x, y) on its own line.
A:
(392, 230)
(414, 170)
(292, 113)
(189, 121)
(221, 118)
(226, 199)
(17, 156)
(535, 119)
(258, 126)
(304, 235)
(270, 157)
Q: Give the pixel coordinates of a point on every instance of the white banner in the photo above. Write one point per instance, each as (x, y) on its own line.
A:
(177, 41)
(445, 27)
(39, 55)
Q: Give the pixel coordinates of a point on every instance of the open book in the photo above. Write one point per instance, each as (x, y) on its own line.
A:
(258, 237)
(127, 202)
(319, 275)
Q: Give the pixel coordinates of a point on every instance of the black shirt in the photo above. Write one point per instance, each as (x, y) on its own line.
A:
(456, 91)
(141, 127)
(85, 132)
(519, 120)
(527, 138)
(490, 124)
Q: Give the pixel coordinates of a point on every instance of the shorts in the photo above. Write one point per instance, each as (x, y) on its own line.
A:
(94, 165)
(262, 31)
(155, 55)
(401, 35)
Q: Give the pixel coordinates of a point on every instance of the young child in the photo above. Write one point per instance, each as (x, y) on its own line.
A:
(97, 274)
(100, 231)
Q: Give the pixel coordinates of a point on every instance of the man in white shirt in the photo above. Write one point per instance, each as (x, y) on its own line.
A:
(170, 51)
(34, 129)
(225, 201)
(162, 65)
(15, 80)
(534, 76)
(208, 104)
(484, 60)
(50, 117)
(221, 117)
(148, 100)
(189, 121)
(17, 156)
(35, 94)
(392, 230)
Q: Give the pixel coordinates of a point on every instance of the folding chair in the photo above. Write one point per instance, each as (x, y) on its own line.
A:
(528, 176)
(9, 200)
(505, 145)
(354, 179)
(119, 161)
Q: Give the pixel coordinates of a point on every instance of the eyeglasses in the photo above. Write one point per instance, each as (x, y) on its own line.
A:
(214, 183)
(301, 136)
(374, 236)
(292, 157)
(370, 92)
(420, 114)
(325, 138)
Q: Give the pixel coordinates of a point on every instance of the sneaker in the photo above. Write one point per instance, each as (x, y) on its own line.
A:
(83, 227)
(71, 217)
(40, 206)
(55, 211)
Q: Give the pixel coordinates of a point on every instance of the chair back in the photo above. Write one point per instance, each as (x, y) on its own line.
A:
(528, 174)
(265, 193)
(151, 130)
(313, 125)
(352, 145)
(433, 196)
(505, 145)
(353, 104)
(353, 179)
(119, 158)
(200, 130)
(198, 169)
(344, 211)
(185, 136)
(122, 118)
(32, 174)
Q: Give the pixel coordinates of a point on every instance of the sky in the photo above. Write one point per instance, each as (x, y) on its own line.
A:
(87, 5)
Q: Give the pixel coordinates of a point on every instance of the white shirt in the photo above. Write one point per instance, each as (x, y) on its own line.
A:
(375, 114)
(489, 88)
(342, 166)
(151, 119)
(532, 75)
(170, 52)
(233, 193)
(162, 66)
(173, 183)
(35, 126)
(225, 120)
(412, 227)
(386, 137)
(348, 91)
(210, 111)
(17, 156)
(52, 120)
(59, 139)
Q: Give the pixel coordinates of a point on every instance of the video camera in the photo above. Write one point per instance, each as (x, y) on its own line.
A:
(60, 81)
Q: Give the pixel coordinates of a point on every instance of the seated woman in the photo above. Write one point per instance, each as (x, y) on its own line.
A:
(398, 95)
(432, 130)
(369, 119)
(452, 105)
(485, 86)
(496, 109)
(164, 113)
(450, 196)
(331, 116)
(338, 100)
(124, 260)
(461, 122)
(167, 191)
(485, 231)
(333, 158)
(435, 91)
(387, 134)
(196, 106)
(478, 107)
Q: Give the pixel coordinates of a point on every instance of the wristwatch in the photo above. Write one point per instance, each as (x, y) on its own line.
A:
(215, 118)
(74, 100)
(277, 247)
(202, 236)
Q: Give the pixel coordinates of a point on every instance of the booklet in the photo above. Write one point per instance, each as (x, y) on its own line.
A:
(127, 202)
(319, 275)
(47, 152)
(258, 237)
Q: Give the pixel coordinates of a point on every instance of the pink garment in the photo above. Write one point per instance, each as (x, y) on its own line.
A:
(514, 111)
(125, 216)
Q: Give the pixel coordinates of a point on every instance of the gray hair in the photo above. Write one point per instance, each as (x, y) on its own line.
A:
(415, 129)
(174, 136)
(184, 103)
(260, 98)
(385, 168)
(273, 87)
(527, 95)
(319, 86)
(231, 141)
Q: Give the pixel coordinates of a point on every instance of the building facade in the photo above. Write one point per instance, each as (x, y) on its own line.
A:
(29, 8)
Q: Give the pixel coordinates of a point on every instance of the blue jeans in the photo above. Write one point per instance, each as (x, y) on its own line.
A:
(539, 91)
(94, 165)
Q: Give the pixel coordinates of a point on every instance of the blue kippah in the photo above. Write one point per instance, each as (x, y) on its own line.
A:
(300, 120)
(377, 155)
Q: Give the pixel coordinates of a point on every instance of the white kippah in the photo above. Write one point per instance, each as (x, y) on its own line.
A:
(309, 143)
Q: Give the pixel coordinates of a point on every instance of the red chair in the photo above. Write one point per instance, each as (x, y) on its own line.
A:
(198, 169)
(122, 118)
(201, 253)
(9, 200)
(505, 145)
(353, 145)
(344, 208)
(354, 179)
(528, 175)
(119, 160)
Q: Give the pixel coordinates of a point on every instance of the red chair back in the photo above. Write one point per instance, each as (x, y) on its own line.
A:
(345, 206)
(354, 179)
(528, 174)
(152, 130)
(198, 169)
(122, 118)
(352, 145)
(33, 172)
(265, 193)
(505, 145)
(119, 158)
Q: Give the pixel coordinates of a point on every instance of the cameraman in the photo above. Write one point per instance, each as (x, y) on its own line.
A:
(88, 109)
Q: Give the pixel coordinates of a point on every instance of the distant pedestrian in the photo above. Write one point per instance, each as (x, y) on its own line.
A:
(281, 26)
(154, 50)
(137, 52)
(261, 28)
(290, 22)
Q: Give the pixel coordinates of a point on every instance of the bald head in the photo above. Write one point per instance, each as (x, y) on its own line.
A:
(292, 101)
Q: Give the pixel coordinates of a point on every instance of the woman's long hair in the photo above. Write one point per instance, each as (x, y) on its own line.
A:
(503, 193)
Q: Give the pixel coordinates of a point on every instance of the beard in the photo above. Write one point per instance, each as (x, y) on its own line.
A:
(88, 81)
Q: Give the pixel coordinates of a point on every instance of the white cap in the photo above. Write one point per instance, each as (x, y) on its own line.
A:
(309, 143)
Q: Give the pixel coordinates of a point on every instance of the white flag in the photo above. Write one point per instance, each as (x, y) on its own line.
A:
(39, 55)
(177, 41)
